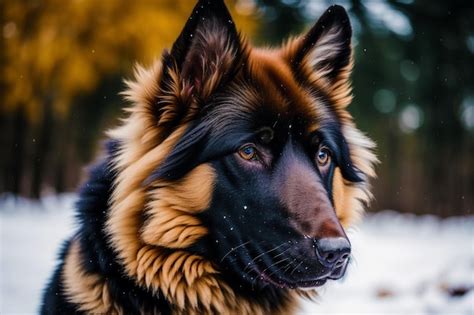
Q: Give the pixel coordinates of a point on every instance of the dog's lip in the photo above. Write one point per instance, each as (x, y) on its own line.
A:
(293, 285)
(282, 283)
(334, 274)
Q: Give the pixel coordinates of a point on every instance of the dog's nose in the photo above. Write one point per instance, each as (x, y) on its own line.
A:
(333, 252)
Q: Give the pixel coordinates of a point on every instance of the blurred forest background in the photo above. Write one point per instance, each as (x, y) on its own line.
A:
(63, 62)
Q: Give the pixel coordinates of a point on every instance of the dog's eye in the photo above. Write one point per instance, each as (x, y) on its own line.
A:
(248, 152)
(324, 156)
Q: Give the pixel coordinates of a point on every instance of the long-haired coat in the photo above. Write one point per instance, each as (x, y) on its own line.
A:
(228, 186)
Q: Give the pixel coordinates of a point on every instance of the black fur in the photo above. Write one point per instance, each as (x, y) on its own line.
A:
(54, 301)
(97, 255)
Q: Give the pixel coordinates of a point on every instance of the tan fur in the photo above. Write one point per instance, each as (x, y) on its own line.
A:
(179, 271)
(339, 90)
(89, 291)
(171, 222)
(357, 195)
(314, 62)
(271, 69)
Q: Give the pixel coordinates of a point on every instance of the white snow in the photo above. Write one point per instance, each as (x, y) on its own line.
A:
(403, 264)
(31, 234)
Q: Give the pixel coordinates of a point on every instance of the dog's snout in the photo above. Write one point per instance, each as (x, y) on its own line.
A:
(333, 252)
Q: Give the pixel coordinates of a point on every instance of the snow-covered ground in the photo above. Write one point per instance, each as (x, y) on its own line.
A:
(403, 264)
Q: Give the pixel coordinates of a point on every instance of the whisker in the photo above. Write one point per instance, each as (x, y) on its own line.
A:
(301, 262)
(253, 262)
(266, 252)
(282, 252)
(289, 265)
(233, 249)
(274, 264)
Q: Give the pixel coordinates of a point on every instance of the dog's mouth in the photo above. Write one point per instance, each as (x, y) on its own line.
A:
(301, 276)
(289, 266)
(282, 283)
(304, 281)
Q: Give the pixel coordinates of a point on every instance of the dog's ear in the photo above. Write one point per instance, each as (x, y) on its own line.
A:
(325, 51)
(205, 53)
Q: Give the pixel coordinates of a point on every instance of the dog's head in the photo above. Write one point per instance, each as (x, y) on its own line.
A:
(245, 158)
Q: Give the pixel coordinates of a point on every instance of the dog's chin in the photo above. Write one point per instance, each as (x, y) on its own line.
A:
(294, 284)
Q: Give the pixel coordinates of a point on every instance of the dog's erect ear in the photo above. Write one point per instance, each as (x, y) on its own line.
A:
(326, 49)
(205, 52)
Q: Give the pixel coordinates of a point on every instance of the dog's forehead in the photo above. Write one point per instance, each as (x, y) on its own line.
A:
(280, 91)
(267, 93)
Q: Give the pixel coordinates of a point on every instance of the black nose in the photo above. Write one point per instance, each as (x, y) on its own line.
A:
(333, 252)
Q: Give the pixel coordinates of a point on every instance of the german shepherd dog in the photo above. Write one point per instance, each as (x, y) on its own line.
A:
(228, 186)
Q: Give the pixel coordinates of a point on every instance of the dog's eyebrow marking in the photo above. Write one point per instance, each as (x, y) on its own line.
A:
(233, 249)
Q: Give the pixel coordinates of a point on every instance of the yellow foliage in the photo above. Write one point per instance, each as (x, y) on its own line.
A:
(54, 50)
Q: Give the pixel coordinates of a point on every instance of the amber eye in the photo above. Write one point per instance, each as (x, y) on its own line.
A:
(324, 156)
(248, 152)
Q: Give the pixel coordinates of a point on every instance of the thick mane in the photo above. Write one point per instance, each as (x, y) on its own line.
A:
(152, 251)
